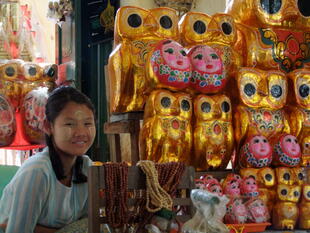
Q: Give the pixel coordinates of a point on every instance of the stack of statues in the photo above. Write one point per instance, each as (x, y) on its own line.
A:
(229, 87)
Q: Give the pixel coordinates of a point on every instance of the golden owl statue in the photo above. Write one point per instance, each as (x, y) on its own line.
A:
(218, 32)
(285, 175)
(285, 211)
(166, 134)
(136, 31)
(304, 208)
(299, 111)
(263, 96)
(275, 34)
(213, 132)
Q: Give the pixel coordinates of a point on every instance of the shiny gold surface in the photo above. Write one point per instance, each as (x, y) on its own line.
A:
(261, 111)
(266, 177)
(137, 31)
(304, 208)
(300, 113)
(285, 175)
(285, 211)
(213, 132)
(166, 134)
(252, 12)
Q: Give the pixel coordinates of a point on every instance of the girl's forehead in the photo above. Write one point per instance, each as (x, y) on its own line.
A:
(75, 110)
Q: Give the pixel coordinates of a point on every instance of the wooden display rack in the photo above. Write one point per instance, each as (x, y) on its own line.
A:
(124, 123)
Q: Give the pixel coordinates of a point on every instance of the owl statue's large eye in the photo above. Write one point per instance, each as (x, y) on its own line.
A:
(134, 20)
(276, 91)
(300, 176)
(271, 6)
(165, 21)
(185, 105)
(206, 107)
(268, 177)
(308, 194)
(296, 193)
(10, 71)
(51, 72)
(304, 90)
(32, 71)
(304, 7)
(165, 102)
(226, 28)
(225, 106)
(286, 176)
(283, 192)
(200, 27)
(249, 89)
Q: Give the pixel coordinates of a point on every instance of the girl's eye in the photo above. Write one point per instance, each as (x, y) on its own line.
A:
(198, 56)
(214, 56)
(68, 124)
(169, 50)
(89, 124)
(183, 53)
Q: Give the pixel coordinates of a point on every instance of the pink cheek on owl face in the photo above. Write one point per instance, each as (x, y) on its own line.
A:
(175, 56)
(260, 146)
(291, 145)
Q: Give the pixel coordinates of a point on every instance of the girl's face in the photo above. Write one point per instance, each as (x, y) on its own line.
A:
(260, 146)
(175, 56)
(205, 59)
(291, 145)
(74, 129)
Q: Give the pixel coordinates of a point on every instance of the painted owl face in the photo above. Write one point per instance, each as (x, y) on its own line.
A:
(260, 13)
(287, 150)
(284, 175)
(257, 151)
(288, 192)
(301, 81)
(207, 69)
(165, 103)
(212, 107)
(266, 177)
(197, 28)
(306, 192)
(260, 88)
(170, 64)
(134, 22)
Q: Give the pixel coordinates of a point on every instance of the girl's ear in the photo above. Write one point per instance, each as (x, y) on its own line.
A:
(47, 127)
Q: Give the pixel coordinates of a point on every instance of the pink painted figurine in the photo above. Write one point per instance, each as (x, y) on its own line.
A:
(169, 66)
(236, 212)
(249, 187)
(207, 69)
(286, 151)
(257, 211)
(256, 152)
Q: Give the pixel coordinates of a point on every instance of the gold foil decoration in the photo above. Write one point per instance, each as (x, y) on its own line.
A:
(166, 134)
(300, 113)
(136, 32)
(304, 208)
(213, 132)
(285, 211)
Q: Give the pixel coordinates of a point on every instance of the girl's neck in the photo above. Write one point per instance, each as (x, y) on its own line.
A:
(67, 160)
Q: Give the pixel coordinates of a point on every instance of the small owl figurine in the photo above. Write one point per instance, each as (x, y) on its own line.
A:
(137, 30)
(166, 134)
(300, 113)
(168, 66)
(275, 33)
(285, 211)
(285, 175)
(263, 94)
(213, 132)
(304, 208)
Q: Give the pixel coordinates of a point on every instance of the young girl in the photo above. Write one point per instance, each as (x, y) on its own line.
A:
(49, 190)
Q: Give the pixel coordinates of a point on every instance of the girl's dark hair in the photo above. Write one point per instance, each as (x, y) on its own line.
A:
(56, 102)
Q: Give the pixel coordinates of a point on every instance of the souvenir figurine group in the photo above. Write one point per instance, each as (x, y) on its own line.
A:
(229, 87)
